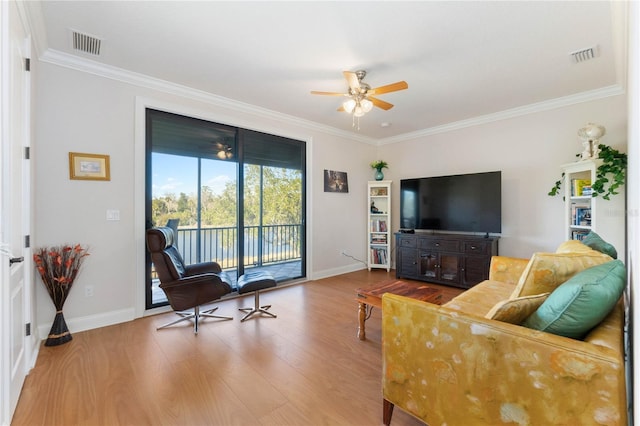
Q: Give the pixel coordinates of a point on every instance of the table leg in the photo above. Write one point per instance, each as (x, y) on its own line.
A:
(362, 317)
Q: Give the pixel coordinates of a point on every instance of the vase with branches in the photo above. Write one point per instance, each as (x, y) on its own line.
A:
(58, 267)
(378, 165)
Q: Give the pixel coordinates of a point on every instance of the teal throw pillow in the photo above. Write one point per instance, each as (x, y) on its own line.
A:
(582, 302)
(594, 241)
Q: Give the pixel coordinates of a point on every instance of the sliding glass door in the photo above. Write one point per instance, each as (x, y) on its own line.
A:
(237, 196)
(273, 204)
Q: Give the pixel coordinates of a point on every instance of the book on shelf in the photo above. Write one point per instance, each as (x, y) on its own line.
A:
(378, 226)
(582, 216)
(378, 238)
(379, 256)
(579, 234)
(580, 187)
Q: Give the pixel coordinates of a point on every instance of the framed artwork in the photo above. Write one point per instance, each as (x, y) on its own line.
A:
(88, 166)
(335, 181)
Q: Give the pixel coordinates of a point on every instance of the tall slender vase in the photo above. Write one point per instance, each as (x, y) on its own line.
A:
(379, 175)
(59, 333)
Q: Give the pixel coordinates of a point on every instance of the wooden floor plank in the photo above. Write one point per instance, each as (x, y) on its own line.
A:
(305, 367)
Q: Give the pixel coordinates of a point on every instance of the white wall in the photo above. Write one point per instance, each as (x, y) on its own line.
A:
(82, 112)
(529, 151)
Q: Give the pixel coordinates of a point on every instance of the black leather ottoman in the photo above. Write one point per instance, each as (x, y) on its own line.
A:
(254, 282)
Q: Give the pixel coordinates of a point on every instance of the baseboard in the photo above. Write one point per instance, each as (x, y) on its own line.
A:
(90, 322)
(318, 275)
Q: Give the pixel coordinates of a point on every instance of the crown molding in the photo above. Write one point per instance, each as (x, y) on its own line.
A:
(76, 63)
(92, 67)
(547, 105)
(33, 14)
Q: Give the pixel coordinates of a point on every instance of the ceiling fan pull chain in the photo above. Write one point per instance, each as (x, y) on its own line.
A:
(354, 120)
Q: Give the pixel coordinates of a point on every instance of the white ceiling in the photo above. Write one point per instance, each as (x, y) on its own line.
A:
(463, 61)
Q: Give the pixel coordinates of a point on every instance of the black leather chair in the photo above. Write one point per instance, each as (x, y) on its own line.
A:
(186, 286)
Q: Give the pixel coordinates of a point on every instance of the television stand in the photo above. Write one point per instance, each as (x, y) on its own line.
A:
(456, 260)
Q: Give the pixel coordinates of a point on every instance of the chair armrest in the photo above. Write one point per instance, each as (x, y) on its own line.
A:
(202, 268)
(507, 269)
(448, 367)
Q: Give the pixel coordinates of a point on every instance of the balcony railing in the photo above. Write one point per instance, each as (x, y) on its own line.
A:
(263, 245)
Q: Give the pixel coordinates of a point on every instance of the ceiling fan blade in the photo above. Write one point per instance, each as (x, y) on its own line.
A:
(315, 92)
(400, 85)
(352, 79)
(380, 103)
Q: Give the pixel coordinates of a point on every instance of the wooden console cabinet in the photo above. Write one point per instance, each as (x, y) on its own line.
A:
(450, 259)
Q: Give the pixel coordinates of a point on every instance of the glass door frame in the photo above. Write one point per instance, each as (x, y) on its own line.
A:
(240, 225)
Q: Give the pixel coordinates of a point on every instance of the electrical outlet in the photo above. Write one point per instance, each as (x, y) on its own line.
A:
(88, 291)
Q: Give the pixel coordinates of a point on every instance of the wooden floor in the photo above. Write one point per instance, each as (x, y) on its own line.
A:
(306, 367)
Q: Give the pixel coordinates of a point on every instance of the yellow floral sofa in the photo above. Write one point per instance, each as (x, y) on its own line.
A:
(456, 365)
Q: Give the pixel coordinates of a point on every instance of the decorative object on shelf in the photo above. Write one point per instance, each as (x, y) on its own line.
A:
(58, 267)
(590, 135)
(378, 166)
(614, 163)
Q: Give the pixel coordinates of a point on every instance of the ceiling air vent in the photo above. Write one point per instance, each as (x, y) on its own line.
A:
(583, 55)
(86, 43)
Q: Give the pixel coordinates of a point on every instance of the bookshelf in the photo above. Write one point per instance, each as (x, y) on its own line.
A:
(379, 224)
(585, 213)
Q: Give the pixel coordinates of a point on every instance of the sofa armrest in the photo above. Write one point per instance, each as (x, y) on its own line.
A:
(445, 366)
(507, 269)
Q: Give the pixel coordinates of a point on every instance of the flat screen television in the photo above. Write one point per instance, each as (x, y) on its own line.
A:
(461, 203)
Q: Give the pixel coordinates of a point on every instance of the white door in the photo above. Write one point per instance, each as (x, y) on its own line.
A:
(15, 207)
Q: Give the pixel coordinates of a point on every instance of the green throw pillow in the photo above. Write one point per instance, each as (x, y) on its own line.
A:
(594, 241)
(582, 302)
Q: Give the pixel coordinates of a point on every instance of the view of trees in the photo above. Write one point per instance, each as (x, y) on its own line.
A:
(281, 201)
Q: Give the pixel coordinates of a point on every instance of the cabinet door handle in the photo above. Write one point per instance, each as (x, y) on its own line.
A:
(473, 247)
(13, 260)
(437, 244)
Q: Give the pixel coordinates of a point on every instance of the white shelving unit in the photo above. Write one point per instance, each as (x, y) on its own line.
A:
(379, 224)
(585, 213)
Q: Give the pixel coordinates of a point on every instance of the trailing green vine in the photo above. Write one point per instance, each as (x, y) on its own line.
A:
(614, 164)
(555, 190)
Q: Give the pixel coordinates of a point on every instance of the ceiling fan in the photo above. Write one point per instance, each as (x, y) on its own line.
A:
(361, 95)
(223, 150)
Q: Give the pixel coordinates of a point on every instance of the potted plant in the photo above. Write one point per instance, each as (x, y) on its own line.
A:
(614, 164)
(378, 165)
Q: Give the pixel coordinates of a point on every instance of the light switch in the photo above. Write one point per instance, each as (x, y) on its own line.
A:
(113, 214)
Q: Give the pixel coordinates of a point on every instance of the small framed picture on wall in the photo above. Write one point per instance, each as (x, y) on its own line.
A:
(88, 166)
(335, 181)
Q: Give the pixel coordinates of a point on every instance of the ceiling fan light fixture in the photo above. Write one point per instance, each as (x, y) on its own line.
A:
(358, 111)
(367, 105)
(221, 155)
(349, 105)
